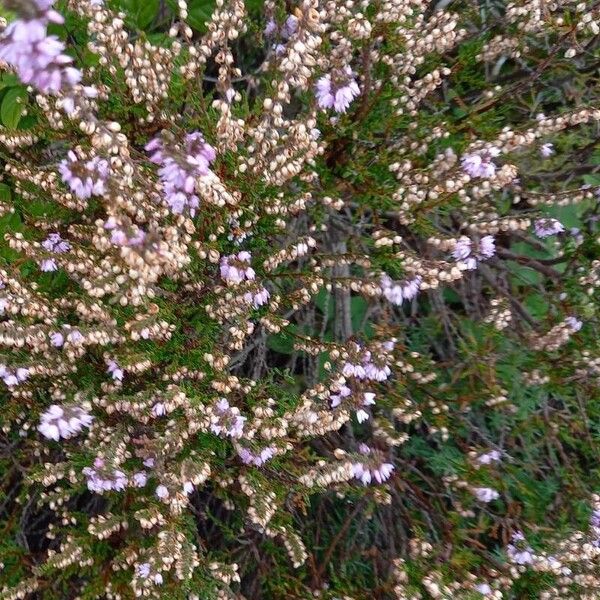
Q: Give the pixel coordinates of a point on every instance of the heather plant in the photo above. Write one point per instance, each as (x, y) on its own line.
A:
(298, 299)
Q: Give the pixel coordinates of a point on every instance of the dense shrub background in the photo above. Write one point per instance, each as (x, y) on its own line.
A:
(463, 381)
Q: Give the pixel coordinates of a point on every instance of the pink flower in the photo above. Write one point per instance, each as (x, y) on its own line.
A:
(337, 90)
(38, 58)
(484, 494)
(519, 552)
(547, 227)
(162, 492)
(371, 467)
(479, 164)
(63, 421)
(115, 370)
(85, 178)
(489, 458)
(469, 252)
(547, 150)
(180, 167)
(236, 268)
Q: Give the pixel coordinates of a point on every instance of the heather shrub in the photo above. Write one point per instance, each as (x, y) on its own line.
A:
(298, 299)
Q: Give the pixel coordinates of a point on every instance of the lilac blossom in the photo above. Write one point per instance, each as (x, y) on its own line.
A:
(368, 399)
(258, 459)
(115, 371)
(547, 227)
(162, 492)
(397, 292)
(489, 457)
(371, 466)
(57, 339)
(547, 150)
(479, 164)
(143, 570)
(179, 169)
(53, 243)
(38, 58)
(484, 589)
(257, 299)
(139, 479)
(518, 551)
(485, 494)
(101, 479)
(270, 27)
(85, 178)
(13, 377)
(470, 252)
(63, 421)
(131, 237)
(289, 27)
(236, 268)
(337, 90)
(227, 420)
(574, 324)
(336, 399)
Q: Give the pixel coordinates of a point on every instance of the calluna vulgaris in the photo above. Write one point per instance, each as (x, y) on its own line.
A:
(298, 299)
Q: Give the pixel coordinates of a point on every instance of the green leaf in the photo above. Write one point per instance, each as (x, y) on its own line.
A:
(199, 14)
(5, 194)
(12, 107)
(141, 12)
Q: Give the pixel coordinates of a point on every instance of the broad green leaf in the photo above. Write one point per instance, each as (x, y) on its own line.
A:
(141, 12)
(12, 107)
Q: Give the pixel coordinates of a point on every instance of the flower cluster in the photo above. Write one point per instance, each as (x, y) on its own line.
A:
(85, 178)
(64, 421)
(180, 167)
(470, 252)
(38, 58)
(55, 244)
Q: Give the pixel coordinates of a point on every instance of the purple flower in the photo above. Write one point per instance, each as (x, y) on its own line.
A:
(484, 589)
(180, 167)
(140, 479)
(38, 58)
(574, 324)
(485, 494)
(336, 399)
(85, 178)
(371, 466)
(162, 492)
(397, 292)
(547, 150)
(479, 164)
(257, 459)
(54, 243)
(257, 299)
(227, 420)
(337, 90)
(13, 377)
(63, 421)
(236, 268)
(270, 27)
(100, 479)
(547, 227)
(489, 457)
(519, 552)
(289, 27)
(115, 371)
(57, 339)
(469, 252)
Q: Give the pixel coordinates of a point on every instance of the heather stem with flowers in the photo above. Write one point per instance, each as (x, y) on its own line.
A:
(283, 316)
